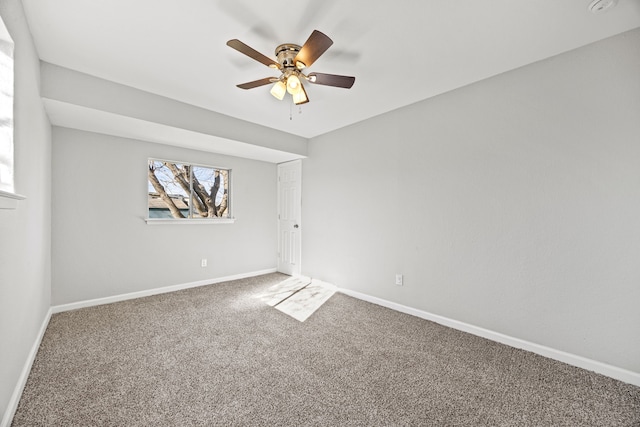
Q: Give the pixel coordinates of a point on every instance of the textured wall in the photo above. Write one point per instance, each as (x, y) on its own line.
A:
(511, 204)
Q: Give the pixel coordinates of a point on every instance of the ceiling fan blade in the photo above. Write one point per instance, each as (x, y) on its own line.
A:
(252, 53)
(258, 83)
(316, 45)
(331, 80)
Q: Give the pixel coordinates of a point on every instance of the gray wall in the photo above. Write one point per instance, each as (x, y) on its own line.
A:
(511, 204)
(25, 245)
(101, 243)
(66, 89)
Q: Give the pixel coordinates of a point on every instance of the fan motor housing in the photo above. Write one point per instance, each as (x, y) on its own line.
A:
(286, 54)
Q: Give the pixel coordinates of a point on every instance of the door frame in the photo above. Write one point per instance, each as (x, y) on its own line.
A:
(298, 266)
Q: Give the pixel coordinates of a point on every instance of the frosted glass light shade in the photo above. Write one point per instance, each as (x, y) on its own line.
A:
(293, 84)
(300, 97)
(278, 90)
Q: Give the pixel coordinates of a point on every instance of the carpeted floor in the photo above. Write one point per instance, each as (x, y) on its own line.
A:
(217, 355)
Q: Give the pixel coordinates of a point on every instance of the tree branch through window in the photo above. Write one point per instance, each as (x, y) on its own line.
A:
(179, 190)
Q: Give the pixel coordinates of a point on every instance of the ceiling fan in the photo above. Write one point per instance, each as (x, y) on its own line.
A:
(292, 59)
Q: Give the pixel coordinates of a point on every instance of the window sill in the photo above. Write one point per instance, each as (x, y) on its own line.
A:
(10, 200)
(155, 221)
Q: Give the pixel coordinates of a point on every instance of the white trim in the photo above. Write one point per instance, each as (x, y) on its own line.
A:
(228, 183)
(192, 221)
(295, 272)
(562, 356)
(24, 375)
(9, 200)
(166, 289)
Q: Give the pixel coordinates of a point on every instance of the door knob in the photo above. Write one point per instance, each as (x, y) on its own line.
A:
(295, 226)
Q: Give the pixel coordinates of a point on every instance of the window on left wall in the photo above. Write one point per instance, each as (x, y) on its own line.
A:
(6, 110)
(184, 192)
(8, 197)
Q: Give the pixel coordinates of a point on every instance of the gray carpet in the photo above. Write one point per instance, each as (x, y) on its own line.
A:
(216, 355)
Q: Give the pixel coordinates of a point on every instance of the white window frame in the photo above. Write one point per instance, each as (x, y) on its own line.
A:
(8, 197)
(191, 221)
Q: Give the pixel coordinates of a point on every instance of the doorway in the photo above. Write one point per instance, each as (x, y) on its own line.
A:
(289, 221)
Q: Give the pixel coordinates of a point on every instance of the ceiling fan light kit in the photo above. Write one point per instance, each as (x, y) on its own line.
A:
(292, 59)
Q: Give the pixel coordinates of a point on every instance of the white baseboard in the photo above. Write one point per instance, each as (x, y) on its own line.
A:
(156, 291)
(24, 375)
(568, 358)
(571, 359)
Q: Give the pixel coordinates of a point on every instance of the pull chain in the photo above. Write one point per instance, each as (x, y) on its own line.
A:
(291, 110)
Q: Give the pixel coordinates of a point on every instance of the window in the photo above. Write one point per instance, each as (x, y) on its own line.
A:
(184, 192)
(8, 197)
(6, 110)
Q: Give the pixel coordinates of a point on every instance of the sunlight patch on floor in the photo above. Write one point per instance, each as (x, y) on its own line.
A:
(298, 298)
(283, 290)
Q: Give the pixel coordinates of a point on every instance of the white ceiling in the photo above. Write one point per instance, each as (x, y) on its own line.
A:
(400, 51)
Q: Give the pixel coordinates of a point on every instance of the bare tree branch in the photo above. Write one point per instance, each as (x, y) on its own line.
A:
(182, 177)
(203, 201)
(222, 208)
(223, 205)
(175, 212)
(214, 193)
(203, 197)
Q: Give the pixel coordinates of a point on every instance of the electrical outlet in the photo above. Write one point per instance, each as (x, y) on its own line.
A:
(399, 279)
(203, 262)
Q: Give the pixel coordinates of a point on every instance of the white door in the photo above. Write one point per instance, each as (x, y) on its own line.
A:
(289, 203)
